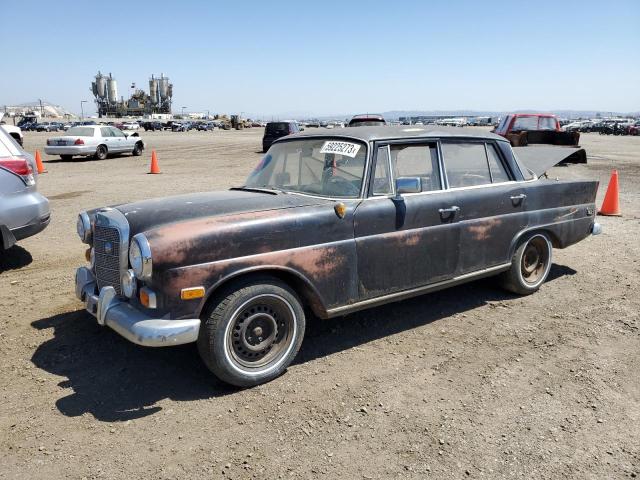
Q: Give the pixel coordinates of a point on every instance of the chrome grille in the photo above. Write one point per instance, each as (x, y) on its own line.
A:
(106, 244)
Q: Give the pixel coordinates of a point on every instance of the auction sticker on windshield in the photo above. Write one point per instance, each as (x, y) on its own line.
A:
(341, 148)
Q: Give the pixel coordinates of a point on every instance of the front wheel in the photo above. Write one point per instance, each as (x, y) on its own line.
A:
(530, 265)
(252, 333)
(137, 149)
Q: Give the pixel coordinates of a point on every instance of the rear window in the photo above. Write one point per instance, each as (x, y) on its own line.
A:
(365, 122)
(525, 123)
(8, 148)
(81, 131)
(277, 128)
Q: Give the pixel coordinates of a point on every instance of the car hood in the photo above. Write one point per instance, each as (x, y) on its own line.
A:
(150, 214)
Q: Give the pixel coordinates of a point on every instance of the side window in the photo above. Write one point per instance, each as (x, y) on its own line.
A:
(466, 164)
(105, 132)
(498, 171)
(116, 132)
(382, 176)
(417, 161)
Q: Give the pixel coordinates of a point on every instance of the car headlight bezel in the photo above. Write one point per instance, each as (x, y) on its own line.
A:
(140, 257)
(129, 284)
(83, 228)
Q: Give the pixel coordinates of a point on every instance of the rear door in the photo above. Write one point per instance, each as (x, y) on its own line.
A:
(411, 239)
(492, 204)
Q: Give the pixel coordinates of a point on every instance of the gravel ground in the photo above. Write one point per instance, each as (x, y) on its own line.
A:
(468, 382)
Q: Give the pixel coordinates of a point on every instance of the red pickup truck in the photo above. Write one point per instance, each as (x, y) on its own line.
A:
(523, 129)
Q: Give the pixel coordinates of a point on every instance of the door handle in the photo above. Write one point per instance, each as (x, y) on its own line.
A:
(516, 199)
(451, 211)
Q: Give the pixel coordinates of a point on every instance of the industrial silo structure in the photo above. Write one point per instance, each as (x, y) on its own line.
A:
(101, 85)
(153, 90)
(112, 89)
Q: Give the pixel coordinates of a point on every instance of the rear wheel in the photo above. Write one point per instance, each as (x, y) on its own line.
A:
(101, 152)
(137, 149)
(530, 265)
(252, 333)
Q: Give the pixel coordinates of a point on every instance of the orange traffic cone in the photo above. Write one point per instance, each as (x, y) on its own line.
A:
(39, 163)
(154, 163)
(611, 205)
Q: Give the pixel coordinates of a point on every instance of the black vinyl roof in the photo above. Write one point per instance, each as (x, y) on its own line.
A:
(372, 133)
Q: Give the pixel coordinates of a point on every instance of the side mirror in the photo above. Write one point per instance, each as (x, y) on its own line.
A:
(408, 185)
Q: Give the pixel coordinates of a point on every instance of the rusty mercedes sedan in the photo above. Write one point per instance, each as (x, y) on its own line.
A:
(328, 223)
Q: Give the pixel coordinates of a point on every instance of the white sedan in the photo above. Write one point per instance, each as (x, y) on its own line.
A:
(94, 140)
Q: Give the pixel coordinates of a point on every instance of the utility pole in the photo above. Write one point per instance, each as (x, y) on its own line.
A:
(82, 109)
(41, 109)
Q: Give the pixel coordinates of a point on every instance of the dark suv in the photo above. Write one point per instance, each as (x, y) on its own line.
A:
(276, 130)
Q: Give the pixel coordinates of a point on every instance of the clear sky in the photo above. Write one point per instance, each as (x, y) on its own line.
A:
(329, 57)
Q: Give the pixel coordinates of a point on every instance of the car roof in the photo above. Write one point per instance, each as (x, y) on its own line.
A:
(372, 133)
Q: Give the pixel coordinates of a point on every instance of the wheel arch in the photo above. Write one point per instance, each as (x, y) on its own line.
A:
(301, 285)
(546, 229)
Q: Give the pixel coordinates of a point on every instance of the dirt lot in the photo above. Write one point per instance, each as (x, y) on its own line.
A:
(468, 382)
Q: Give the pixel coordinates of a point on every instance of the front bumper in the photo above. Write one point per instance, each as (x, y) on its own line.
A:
(134, 325)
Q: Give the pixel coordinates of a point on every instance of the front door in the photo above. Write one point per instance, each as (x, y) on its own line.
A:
(406, 240)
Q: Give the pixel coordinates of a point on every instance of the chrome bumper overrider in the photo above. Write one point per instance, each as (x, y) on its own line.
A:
(129, 322)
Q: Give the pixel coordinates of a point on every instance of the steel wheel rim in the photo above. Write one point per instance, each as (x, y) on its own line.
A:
(260, 333)
(534, 261)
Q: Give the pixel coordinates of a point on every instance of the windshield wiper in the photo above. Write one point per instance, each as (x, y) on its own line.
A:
(270, 191)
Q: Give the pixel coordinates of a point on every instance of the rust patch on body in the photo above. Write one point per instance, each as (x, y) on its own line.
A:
(484, 230)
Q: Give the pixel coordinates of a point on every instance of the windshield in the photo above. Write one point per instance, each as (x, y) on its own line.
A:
(328, 168)
(80, 131)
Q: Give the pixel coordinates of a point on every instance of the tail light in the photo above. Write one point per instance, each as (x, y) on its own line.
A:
(20, 167)
(79, 141)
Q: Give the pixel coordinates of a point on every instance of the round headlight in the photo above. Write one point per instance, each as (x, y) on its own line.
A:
(135, 258)
(129, 284)
(83, 227)
(140, 257)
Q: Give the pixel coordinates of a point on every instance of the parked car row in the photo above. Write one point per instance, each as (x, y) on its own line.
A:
(605, 127)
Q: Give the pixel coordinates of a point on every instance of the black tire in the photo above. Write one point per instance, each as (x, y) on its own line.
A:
(137, 149)
(66, 158)
(231, 340)
(530, 265)
(101, 152)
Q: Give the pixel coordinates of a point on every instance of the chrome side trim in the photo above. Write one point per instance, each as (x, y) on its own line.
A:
(413, 292)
